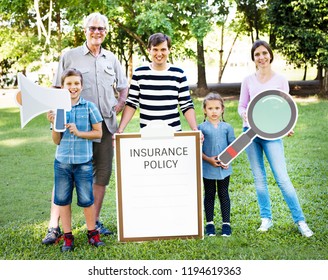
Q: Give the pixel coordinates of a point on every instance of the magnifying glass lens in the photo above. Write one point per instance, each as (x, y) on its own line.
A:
(271, 114)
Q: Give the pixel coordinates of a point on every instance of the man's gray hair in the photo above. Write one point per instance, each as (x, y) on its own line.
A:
(96, 16)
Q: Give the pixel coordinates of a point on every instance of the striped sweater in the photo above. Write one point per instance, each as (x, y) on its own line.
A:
(158, 94)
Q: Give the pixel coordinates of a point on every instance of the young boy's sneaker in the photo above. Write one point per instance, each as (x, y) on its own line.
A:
(68, 243)
(94, 238)
(53, 236)
(102, 230)
(210, 230)
(304, 229)
(265, 225)
(226, 230)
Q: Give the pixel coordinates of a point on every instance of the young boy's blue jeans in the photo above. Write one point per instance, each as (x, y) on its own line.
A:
(69, 175)
(274, 152)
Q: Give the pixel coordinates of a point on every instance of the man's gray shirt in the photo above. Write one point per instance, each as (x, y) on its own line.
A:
(102, 76)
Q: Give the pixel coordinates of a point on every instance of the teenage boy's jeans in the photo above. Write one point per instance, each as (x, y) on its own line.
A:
(274, 152)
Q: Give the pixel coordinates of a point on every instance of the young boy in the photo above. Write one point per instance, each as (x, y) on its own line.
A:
(73, 160)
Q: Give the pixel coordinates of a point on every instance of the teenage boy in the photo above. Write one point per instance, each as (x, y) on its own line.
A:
(158, 89)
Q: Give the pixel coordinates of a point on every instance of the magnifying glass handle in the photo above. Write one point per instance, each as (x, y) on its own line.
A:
(236, 147)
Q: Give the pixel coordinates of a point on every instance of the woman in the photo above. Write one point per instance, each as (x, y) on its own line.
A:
(263, 79)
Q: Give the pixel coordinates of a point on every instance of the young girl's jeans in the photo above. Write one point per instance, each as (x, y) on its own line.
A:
(274, 152)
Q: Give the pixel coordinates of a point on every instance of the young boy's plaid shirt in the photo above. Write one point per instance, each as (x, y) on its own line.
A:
(72, 149)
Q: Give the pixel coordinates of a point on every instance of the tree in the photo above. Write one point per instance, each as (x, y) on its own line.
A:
(223, 14)
(133, 23)
(201, 15)
(251, 15)
(19, 52)
(200, 25)
(51, 26)
(180, 19)
(300, 32)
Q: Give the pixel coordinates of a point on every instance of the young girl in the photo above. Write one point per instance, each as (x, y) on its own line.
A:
(217, 136)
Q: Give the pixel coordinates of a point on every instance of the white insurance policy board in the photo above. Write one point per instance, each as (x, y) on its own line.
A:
(158, 179)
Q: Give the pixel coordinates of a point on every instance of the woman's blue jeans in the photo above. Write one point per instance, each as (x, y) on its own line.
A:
(274, 152)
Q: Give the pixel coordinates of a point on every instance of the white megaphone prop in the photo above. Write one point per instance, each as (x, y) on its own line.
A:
(34, 100)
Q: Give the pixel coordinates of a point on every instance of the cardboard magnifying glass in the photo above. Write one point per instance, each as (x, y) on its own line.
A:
(271, 115)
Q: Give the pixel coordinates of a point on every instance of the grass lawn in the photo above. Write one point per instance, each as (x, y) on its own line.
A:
(26, 158)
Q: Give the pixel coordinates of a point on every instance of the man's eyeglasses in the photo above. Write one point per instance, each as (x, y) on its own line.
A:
(94, 28)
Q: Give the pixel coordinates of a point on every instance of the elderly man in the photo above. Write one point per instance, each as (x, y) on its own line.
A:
(102, 76)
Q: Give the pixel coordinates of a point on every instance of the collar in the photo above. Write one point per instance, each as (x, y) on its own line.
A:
(86, 50)
(81, 101)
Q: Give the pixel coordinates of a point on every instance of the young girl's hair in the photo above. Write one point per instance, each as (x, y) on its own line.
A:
(71, 72)
(213, 96)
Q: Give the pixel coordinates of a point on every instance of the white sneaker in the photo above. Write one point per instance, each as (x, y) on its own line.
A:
(304, 229)
(265, 225)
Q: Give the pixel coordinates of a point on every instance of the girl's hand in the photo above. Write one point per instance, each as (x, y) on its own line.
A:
(214, 161)
(224, 166)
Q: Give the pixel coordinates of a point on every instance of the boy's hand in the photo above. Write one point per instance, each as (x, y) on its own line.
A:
(51, 116)
(72, 128)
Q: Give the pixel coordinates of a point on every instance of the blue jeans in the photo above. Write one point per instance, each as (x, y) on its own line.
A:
(69, 175)
(274, 152)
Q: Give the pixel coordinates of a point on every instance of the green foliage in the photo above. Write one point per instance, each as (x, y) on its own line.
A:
(155, 17)
(132, 22)
(251, 17)
(26, 172)
(299, 30)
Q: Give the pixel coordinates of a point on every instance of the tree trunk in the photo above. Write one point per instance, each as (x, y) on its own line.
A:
(305, 71)
(319, 73)
(256, 22)
(202, 88)
(324, 87)
(226, 62)
(221, 56)
(59, 34)
(130, 66)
